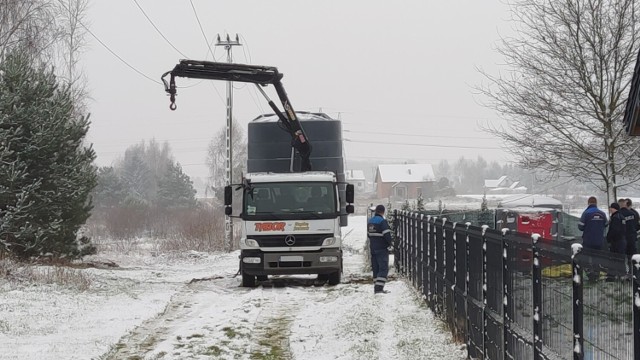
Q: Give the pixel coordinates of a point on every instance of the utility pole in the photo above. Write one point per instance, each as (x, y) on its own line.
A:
(228, 224)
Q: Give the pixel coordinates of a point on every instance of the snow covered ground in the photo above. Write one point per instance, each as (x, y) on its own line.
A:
(190, 306)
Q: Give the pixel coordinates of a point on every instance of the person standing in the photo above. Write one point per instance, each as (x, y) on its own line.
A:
(616, 233)
(636, 221)
(631, 228)
(592, 224)
(379, 243)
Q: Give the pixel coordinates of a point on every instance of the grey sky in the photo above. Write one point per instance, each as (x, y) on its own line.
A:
(402, 67)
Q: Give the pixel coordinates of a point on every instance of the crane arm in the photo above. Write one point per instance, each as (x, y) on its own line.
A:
(256, 74)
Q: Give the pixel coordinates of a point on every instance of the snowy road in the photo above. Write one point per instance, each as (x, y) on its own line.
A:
(154, 310)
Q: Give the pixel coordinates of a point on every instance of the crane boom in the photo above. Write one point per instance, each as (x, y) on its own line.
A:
(256, 74)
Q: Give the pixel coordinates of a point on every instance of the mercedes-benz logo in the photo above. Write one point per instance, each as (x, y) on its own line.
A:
(290, 240)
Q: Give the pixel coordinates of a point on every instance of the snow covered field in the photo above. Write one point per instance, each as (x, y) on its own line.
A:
(190, 306)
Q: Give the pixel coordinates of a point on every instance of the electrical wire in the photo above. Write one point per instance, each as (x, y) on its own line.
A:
(158, 30)
(118, 56)
(423, 145)
(418, 135)
(195, 12)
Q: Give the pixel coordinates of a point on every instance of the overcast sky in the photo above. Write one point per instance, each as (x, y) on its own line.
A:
(399, 74)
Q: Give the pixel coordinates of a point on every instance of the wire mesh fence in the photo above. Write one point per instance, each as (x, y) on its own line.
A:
(510, 295)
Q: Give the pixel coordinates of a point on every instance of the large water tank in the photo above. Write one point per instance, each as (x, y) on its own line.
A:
(269, 147)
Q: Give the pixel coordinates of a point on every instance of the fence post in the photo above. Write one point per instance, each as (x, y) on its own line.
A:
(506, 294)
(578, 331)
(405, 233)
(635, 263)
(416, 253)
(485, 335)
(537, 297)
(420, 240)
(466, 285)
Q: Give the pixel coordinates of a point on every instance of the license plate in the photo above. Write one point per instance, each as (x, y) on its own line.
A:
(291, 258)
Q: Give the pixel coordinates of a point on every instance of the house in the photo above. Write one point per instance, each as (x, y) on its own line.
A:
(357, 178)
(504, 185)
(404, 181)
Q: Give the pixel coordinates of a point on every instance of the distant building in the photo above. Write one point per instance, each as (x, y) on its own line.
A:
(357, 178)
(504, 185)
(404, 181)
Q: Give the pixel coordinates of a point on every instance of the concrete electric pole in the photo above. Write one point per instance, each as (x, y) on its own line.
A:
(228, 224)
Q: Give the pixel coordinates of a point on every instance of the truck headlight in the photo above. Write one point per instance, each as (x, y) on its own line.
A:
(251, 243)
(251, 260)
(328, 259)
(329, 241)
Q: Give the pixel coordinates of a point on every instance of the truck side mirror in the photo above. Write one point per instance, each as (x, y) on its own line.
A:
(350, 209)
(228, 195)
(350, 194)
(228, 210)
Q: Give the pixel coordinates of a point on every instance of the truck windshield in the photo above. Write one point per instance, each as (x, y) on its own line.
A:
(290, 200)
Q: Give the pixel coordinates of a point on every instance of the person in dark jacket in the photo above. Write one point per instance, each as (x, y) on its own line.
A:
(636, 218)
(616, 233)
(631, 227)
(379, 243)
(592, 224)
(617, 230)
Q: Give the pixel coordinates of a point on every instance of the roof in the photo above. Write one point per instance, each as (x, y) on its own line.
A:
(494, 183)
(355, 175)
(406, 173)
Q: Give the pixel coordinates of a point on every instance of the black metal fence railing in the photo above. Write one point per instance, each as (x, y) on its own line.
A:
(517, 296)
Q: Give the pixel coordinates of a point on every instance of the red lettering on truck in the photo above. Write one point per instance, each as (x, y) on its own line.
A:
(270, 226)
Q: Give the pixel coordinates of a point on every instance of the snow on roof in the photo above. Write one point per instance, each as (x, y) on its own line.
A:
(529, 200)
(406, 173)
(355, 175)
(494, 183)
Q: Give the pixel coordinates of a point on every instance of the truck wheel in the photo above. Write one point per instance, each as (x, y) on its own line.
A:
(334, 278)
(248, 280)
(263, 277)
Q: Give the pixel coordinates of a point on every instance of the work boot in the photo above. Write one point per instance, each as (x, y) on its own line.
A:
(377, 289)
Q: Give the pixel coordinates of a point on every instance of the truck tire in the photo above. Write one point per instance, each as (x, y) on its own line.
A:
(263, 277)
(248, 280)
(334, 278)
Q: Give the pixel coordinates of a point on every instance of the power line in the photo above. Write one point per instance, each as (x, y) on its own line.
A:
(118, 56)
(158, 30)
(424, 145)
(419, 135)
(111, 51)
(195, 12)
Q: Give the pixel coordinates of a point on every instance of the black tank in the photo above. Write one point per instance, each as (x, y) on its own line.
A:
(269, 147)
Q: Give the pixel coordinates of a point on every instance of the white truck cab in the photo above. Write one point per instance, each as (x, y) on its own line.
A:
(291, 225)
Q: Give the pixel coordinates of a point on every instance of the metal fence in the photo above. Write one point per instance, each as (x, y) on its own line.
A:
(517, 296)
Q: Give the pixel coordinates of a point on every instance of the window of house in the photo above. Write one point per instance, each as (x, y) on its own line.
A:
(401, 192)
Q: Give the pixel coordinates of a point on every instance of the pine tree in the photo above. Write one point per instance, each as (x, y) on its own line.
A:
(46, 172)
(484, 205)
(175, 189)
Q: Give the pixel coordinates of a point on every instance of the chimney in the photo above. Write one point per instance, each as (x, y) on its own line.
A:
(409, 170)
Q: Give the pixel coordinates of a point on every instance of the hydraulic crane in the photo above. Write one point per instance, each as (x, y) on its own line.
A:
(256, 74)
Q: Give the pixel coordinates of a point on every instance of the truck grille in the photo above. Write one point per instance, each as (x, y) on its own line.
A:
(300, 240)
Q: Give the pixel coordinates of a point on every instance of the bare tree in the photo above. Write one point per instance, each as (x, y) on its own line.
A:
(71, 37)
(27, 25)
(568, 68)
(217, 155)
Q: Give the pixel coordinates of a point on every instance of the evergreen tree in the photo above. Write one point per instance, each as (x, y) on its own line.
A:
(110, 191)
(46, 172)
(175, 189)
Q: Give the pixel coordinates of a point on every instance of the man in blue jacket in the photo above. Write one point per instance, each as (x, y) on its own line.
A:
(592, 224)
(379, 243)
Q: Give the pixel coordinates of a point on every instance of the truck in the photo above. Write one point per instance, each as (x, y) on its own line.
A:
(294, 205)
